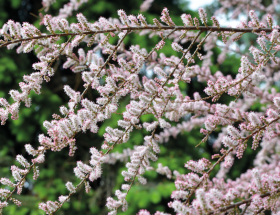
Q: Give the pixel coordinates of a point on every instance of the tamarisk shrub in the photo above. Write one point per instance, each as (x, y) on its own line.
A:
(118, 76)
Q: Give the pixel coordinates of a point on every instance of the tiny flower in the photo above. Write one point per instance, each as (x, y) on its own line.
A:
(123, 17)
(142, 180)
(233, 132)
(272, 113)
(202, 15)
(22, 161)
(274, 35)
(70, 187)
(254, 17)
(142, 19)
(245, 64)
(133, 20)
(7, 182)
(160, 45)
(159, 71)
(254, 119)
(39, 159)
(196, 22)
(157, 23)
(30, 150)
(63, 199)
(257, 178)
(187, 19)
(176, 47)
(269, 20)
(276, 101)
(261, 42)
(215, 21)
(82, 19)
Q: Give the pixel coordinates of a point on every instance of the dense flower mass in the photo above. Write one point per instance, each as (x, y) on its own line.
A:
(119, 76)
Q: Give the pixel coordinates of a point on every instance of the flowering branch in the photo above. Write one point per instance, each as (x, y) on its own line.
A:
(246, 201)
(153, 27)
(242, 140)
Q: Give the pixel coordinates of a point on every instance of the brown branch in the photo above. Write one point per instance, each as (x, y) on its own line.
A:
(151, 27)
(247, 201)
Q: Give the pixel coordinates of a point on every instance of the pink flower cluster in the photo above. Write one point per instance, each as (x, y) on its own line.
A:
(254, 191)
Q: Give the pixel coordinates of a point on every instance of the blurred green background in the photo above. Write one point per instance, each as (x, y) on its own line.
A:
(58, 167)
